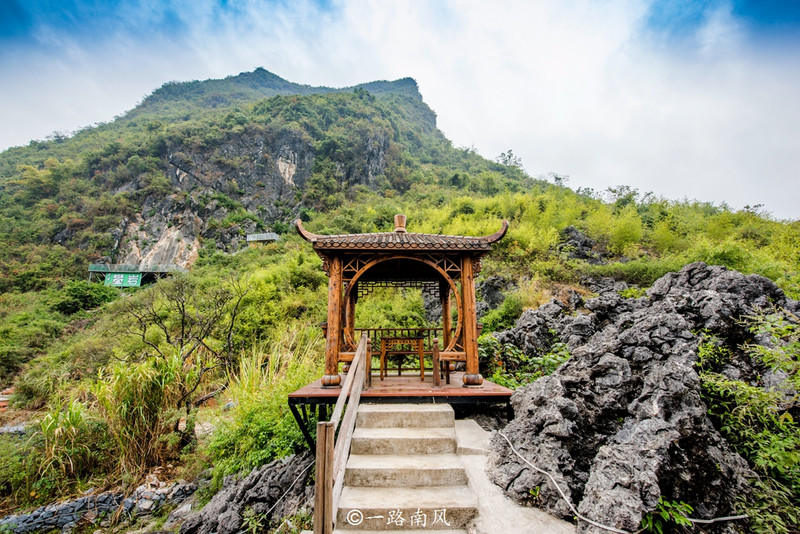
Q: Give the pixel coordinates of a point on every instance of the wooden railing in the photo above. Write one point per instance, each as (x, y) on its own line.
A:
(427, 334)
(332, 453)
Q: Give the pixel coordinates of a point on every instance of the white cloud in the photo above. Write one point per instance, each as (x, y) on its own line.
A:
(579, 87)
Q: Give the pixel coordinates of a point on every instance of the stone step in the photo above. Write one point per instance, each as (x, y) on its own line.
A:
(431, 508)
(404, 416)
(345, 531)
(405, 470)
(403, 441)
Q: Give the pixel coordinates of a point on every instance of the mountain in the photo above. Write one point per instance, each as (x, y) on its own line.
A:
(251, 86)
(200, 164)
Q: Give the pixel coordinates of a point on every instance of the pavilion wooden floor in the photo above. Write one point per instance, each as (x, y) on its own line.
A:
(408, 388)
(394, 389)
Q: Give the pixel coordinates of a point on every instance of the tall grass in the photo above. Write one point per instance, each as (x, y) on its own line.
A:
(65, 444)
(262, 427)
(137, 401)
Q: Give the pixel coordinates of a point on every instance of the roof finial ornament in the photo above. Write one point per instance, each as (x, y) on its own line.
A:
(400, 223)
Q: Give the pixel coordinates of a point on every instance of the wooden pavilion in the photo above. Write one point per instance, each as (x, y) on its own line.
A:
(444, 266)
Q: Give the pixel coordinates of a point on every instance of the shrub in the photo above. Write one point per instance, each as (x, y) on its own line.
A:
(625, 231)
(668, 516)
(75, 442)
(757, 421)
(632, 293)
(82, 295)
(507, 365)
(503, 317)
(306, 274)
(19, 462)
(67, 446)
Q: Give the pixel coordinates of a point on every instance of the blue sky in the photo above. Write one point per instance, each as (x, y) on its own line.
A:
(687, 99)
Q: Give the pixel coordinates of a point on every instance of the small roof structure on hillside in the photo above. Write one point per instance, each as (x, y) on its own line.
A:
(132, 275)
(261, 238)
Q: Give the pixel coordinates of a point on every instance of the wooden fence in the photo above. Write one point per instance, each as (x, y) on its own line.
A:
(332, 453)
(426, 334)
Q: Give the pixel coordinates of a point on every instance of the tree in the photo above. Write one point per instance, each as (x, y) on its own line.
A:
(184, 318)
(622, 196)
(509, 159)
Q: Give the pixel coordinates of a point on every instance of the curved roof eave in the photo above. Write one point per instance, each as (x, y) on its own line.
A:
(393, 241)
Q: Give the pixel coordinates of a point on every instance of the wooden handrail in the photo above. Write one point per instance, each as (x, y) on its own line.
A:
(427, 334)
(332, 453)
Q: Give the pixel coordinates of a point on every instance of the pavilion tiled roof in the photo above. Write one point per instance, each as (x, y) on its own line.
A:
(401, 240)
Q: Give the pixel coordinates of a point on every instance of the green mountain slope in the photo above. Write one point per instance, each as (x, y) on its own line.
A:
(177, 165)
(182, 101)
(247, 87)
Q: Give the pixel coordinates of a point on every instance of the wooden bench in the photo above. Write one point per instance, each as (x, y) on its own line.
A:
(397, 345)
(450, 356)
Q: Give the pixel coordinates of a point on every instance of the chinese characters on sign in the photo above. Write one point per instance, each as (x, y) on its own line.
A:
(395, 517)
(440, 516)
(124, 279)
(419, 519)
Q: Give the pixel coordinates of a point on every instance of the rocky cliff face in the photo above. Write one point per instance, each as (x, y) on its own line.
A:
(248, 182)
(193, 178)
(259, 172)
(622, 422)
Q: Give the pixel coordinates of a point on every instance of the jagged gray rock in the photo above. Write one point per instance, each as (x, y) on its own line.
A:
(623, 421)
(264, 170)
(604, 285)
(491, 293)
(259, 491)
(536, 330)
(715, 297)
(577, 245)
(145, 500)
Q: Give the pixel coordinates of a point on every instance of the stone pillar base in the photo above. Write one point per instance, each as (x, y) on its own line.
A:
(473, 380)
(332, 381)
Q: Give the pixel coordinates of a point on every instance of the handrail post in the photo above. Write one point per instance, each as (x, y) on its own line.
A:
(323, 497)
(330, 432)
(437, 379)
(368, 369)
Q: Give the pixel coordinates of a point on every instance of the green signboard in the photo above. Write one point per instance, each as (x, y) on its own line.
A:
(124, 279)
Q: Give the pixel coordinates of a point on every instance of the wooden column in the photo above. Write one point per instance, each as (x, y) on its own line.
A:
(350, 315)
(447, 320)
(470, 322)
(437, 377)
(331, 377)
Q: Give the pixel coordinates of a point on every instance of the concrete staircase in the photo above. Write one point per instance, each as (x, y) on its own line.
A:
(403, 474)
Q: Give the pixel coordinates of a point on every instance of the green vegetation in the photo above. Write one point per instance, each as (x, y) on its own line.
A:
(391, 308)
(504, 316)
(261, 427)
(633, 293)
(758, 422)
(508, 366)
(123, 388)
(667, 516)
